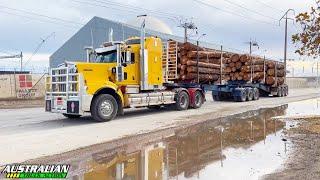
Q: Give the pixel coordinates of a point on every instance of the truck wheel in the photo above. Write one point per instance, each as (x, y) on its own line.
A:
(249, 94)
(104, 108)
(198, 100)
(284, 91)
(216, 97)
(242, 97)
(71, 116)
(182, 101)
(279, 92)
(256, 94)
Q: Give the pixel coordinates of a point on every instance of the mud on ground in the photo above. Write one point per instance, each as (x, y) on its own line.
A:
(304, 161)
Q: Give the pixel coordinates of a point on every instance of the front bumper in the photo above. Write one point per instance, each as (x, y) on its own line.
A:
(64, 106)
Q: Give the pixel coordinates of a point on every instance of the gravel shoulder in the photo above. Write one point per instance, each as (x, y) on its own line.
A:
(21, 103)
(31, 133)
(304, 160)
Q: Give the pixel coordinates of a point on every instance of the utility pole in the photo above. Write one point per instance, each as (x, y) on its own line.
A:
(251, 69)
(187, 25)
(21, 58)
(285, 16)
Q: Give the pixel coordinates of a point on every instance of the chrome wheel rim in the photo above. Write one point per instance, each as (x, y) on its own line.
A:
(198, 99)
(182, 101)
(106, 108)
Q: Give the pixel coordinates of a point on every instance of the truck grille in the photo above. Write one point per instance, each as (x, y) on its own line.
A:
(63, 81)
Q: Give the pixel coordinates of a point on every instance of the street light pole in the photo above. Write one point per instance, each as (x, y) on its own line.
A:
(285, 16)
(252, 43)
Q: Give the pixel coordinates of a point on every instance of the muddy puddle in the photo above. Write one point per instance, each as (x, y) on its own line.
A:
(245, 146)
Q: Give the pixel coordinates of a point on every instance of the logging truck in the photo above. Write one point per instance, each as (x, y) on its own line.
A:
(139, 72)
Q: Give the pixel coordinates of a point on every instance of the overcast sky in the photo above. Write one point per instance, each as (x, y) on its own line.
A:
(228, 22)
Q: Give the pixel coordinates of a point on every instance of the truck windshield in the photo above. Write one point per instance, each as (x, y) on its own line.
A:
(107, 57)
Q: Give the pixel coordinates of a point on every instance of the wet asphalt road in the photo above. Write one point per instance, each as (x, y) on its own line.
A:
(47, 133)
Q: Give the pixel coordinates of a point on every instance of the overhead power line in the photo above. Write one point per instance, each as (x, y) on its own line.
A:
(128, 8)
(138, 8)
(249, 10)
(6, 52)
(40, 15)
(232, 12)
(269, 6)
(41, 20)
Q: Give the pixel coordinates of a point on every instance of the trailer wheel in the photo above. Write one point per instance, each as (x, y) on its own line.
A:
(256, 94)
(198, 100)
(286, 91)
(242, 97)
(71, 116)
(216, 97)
(249, 94)
(182, 101)
(279, 92)
(104, 108)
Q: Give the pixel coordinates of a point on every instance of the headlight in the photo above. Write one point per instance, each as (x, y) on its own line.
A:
(72, 68)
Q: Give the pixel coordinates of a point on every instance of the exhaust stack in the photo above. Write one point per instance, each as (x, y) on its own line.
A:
(143, 59)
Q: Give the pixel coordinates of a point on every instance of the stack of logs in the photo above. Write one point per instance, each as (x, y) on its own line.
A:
(235, 66)
(209, 63)
(238, 67)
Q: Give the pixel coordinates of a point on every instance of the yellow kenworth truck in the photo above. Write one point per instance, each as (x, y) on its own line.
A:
(139, 72)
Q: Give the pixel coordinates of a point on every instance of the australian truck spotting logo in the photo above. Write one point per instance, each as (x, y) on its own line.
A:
(35, 171)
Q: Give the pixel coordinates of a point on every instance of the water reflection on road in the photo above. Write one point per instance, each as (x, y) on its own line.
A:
(243, 146)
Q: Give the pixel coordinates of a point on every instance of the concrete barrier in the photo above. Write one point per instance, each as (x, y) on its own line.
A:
(22, 86)
(301, 82)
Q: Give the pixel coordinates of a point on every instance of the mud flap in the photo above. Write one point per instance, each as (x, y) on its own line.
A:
(73, 107)
(48, 106)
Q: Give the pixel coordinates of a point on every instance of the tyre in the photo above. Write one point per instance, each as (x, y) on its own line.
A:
(286, 91)
(249, 94)
(104, 108)
(182, 101)
(198, 100)
(71, 116)
(242, 97)
(279, 92)
(256, 94)
(216, 97)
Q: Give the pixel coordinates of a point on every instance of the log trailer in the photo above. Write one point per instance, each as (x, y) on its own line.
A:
(138, 72)
(241, 90)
